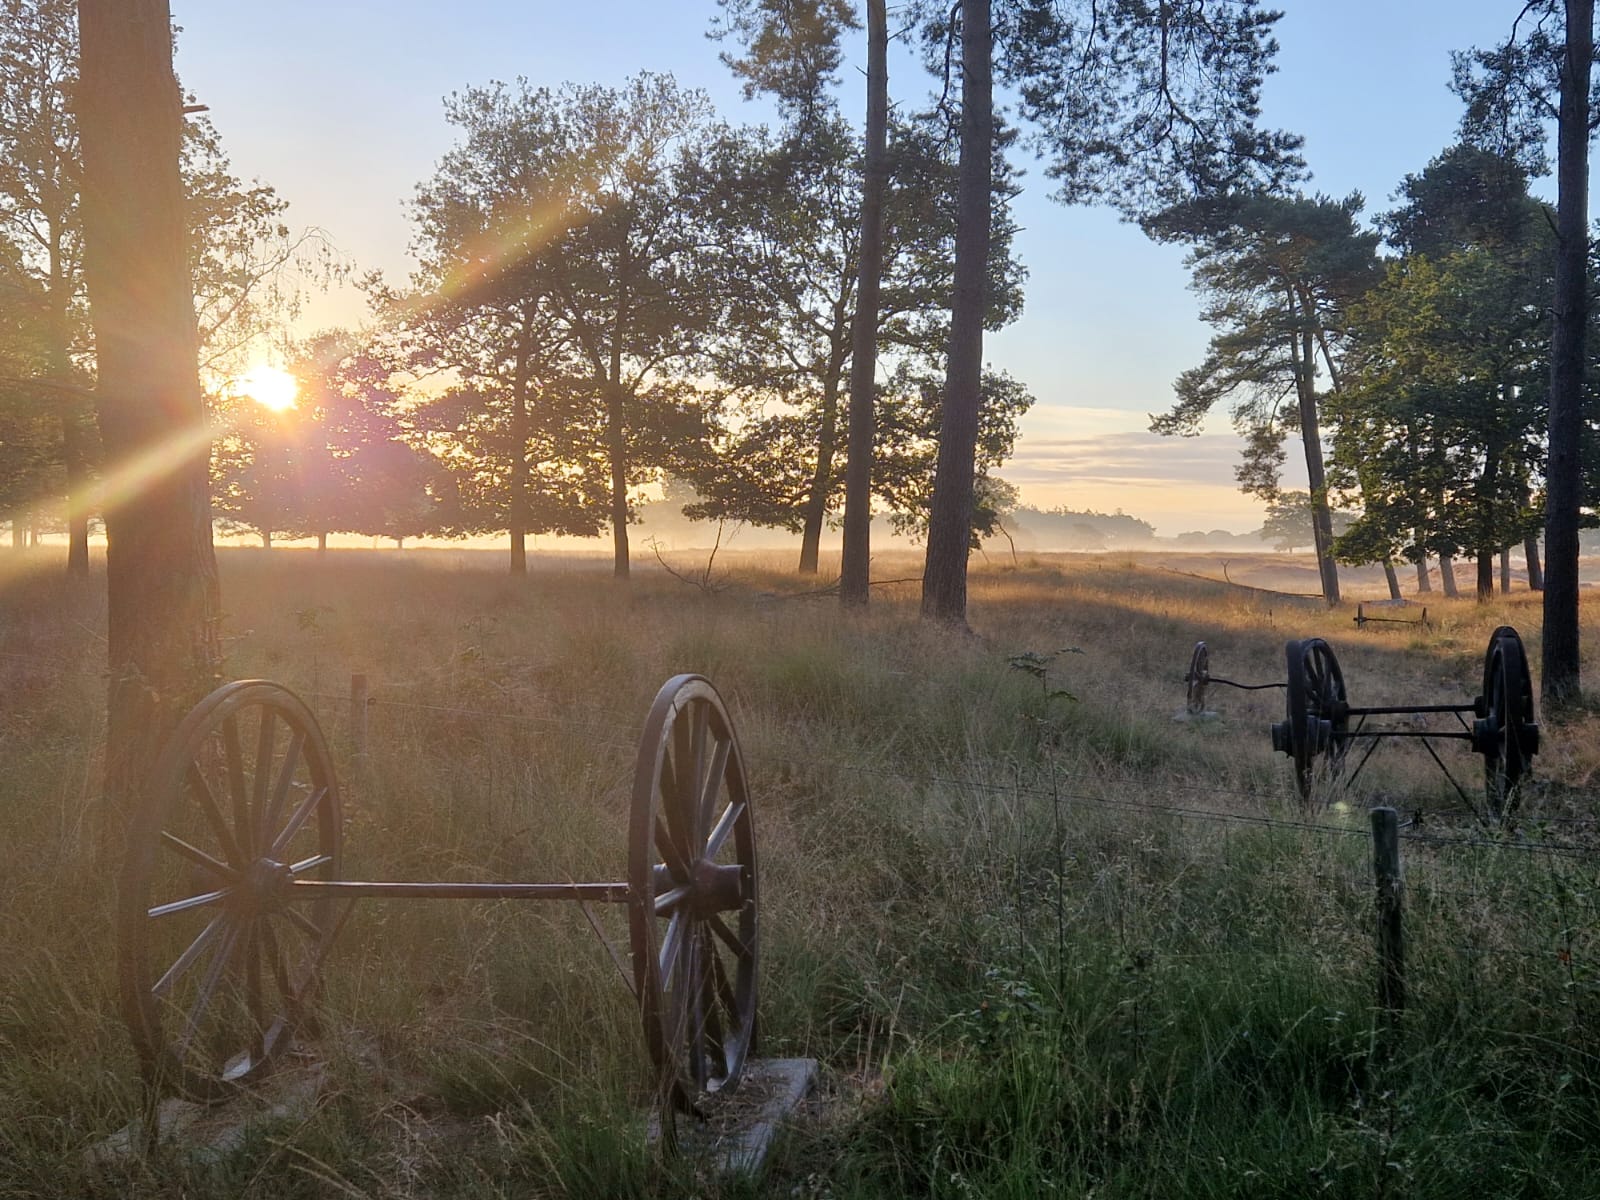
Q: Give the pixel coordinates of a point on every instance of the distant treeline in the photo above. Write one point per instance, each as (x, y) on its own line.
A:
(1070, 529)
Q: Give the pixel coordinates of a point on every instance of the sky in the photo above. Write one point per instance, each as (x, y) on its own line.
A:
(339, 107)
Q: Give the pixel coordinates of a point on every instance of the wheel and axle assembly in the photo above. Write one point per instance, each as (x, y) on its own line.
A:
(231, 894)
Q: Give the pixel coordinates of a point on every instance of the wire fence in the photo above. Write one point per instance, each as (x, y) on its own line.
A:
(601, 735)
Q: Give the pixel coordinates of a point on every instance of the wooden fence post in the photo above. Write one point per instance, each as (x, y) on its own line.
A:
(1391, 893)
(358, 717)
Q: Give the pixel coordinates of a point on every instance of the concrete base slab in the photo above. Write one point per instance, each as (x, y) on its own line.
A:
(737, 1135)
(212, 1132)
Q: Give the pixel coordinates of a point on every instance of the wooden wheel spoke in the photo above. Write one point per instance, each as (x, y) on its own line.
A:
(669, 823)
(694, 794)
(198, 856)
(711, 1002)
(200, 789)
(724, 986)
(309, 864)
(203, 900)
(304, 924)
(234, 753)
(671, 947)
(208, 985)
(729, 938)
(261, 774)
(711, 785)
(280, 969)
(295, 821)
(668, 899)
(677, 861)
(697, 1011)
(719, 835)
(280, 792)
(186, 960)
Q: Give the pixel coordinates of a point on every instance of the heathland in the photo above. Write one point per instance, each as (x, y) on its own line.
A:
(1043, 938)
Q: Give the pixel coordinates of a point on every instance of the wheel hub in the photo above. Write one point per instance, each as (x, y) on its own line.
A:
(714, 888)
(266, 886)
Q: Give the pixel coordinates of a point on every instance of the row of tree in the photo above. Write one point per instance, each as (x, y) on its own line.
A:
(1448, 389)
(1417, 382)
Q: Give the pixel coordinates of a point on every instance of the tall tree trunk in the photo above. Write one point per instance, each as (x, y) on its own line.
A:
(19, 533)
(944, 574)
(75, 463)
(1530, 551)
(161, 572)
(855, 568)
(1563, 482)
(1488, 482)
(1311, 440)
(1447, 576)
(822, 477)
(518, 516)
(1392, 579)
(618, 448)
(266, 539)
(75, 434)
(1424, 584)
(322, 543)
(1505, 570)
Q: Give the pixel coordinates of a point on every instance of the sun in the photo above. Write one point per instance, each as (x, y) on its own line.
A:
(268, 386)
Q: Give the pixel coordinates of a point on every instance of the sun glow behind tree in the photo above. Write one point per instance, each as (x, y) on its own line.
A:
(270, 387)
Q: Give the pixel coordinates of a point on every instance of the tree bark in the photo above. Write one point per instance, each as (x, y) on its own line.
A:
(1505, 570)
(517, 519)
(616, 443)
(75, 436)
(1392, 579)
(944, 575)
(1559, 684)
(1447, 576)
(1424, 584)
(816, 511)
(322, 542)
(1311, 440)
(1485, 582)
(1530, 551)
(161, 575)
(855, 568)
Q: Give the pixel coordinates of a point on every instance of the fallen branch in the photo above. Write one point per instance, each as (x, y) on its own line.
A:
(1249, 587)
(705, 582)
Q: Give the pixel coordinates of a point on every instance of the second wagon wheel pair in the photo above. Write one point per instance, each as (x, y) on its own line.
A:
(232, 892)
(1317, 726)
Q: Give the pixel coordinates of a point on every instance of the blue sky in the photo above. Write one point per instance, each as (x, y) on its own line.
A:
(338, 106)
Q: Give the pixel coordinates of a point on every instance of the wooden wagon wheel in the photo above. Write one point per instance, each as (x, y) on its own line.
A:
(1317, 717)
(692, 910)
(1198, 677)
(216, 966)
(1506, 735)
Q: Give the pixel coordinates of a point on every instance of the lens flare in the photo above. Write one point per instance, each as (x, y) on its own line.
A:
(269, 387)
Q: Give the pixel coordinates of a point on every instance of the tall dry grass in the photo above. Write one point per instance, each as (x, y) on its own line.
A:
(1043, 944)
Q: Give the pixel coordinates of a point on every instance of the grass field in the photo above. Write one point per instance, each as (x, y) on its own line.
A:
(1044, 939)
